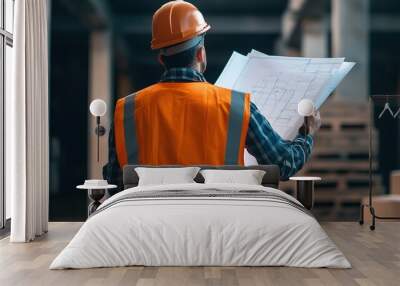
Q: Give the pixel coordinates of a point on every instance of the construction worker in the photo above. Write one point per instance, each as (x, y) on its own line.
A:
(184, 120)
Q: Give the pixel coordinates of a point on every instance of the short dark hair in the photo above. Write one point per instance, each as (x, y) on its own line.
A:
(181, 60)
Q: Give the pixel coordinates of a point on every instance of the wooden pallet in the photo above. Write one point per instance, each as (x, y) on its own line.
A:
(341, 158)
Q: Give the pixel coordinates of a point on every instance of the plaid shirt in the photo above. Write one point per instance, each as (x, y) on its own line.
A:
(182, 75)
(262, 141)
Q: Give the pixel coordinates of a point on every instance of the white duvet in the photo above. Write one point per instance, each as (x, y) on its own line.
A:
(188, 231)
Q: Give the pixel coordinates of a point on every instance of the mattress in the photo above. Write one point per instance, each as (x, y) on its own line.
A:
(201, 225)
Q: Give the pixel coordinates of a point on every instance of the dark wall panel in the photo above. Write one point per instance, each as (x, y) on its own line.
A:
(384, 79)
(68, 124)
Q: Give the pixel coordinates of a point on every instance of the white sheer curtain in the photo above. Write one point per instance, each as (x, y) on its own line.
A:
(27, 123)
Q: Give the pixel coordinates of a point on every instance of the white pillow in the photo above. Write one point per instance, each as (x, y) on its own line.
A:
(166, 176)
(248, 177)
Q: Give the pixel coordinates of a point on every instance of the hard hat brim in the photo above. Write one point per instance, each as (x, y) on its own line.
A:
(155, 45)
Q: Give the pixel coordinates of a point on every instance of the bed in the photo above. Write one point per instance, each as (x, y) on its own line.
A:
(199, 224)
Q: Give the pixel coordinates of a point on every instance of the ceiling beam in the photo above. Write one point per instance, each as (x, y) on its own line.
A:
(103, 11)
(221, 24)
(229, 24)
(385, 23)
(93, 14)
(296, 11)
(300, 10)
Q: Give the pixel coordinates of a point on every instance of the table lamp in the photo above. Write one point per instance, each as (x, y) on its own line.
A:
(305, 185)
(98, 108)
(97, 188)
(306, 108)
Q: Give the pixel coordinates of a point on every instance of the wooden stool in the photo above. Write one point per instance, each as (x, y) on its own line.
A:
(385, 206)
(395, 182)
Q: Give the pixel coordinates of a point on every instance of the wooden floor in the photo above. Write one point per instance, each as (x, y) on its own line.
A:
(375, 257)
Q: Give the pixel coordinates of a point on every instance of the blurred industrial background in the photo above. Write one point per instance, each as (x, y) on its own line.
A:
(101, 49)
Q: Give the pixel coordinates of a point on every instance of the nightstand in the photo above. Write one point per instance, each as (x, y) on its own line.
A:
(305, 190)
(96, 191)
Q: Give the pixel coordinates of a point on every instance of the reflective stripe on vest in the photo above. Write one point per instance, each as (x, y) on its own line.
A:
(235, 128)
(124, 130)
(129, 129)
(146, 132)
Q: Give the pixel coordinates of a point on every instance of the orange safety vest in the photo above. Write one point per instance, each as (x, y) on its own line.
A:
(191, 123)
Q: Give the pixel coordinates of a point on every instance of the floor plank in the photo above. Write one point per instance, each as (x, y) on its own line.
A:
(375, 257)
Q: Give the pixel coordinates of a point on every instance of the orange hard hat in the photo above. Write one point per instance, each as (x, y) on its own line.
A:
(176, 22)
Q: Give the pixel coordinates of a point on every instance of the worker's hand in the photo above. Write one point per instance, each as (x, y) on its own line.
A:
(313, 124)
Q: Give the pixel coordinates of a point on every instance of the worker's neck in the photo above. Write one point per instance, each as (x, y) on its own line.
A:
(196, 68)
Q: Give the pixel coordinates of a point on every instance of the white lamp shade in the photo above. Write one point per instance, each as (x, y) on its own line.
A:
(305, 107)
(98, 107)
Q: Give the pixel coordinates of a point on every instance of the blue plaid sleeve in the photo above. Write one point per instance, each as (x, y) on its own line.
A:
(269, 148)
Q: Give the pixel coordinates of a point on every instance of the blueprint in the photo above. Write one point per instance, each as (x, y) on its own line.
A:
(277, 84)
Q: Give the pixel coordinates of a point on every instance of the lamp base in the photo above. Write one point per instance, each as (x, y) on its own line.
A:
(95, 195)
(100, 130)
